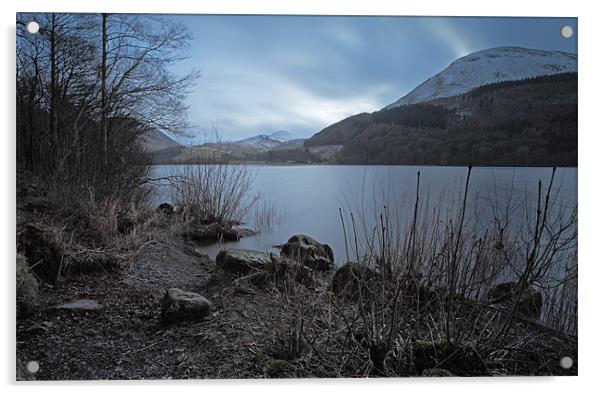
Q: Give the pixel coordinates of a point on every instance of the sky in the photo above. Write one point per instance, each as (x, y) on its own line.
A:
(261, 74)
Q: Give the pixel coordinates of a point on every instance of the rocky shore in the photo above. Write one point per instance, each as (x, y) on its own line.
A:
(168, 312)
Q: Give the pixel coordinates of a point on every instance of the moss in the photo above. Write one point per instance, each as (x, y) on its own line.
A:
(27, 286)
(281, 369)
(436, 372)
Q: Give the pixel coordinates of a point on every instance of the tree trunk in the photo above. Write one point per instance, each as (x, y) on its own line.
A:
(103, 84)
(54, 130)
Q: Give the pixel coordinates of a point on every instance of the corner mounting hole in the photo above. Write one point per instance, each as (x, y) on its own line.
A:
(33, 366)
(566, 362)
(32, 27)
(566, 31)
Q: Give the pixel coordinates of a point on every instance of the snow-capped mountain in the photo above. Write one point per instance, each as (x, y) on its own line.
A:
(489, 66)
(282, 135)
(266, 141)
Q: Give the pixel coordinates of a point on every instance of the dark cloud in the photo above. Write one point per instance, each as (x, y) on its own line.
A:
(302, 73)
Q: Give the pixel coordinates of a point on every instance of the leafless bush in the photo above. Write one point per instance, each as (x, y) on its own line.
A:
(429, 286)
(267, 214)
(215, 191)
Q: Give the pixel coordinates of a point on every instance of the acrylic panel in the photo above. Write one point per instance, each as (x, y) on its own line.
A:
(298, 197)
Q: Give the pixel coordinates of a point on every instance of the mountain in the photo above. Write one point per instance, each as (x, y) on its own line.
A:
(489, 66)
(266, 141)
(260, 142)
(155, 140)
(282, 135)
(277, 147)
(528, 122)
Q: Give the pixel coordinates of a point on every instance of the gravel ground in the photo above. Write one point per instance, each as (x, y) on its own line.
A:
(125, 339)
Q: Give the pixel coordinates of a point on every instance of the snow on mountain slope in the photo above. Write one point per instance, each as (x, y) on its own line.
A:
(266, 141)
(282, 135)
(489, 66)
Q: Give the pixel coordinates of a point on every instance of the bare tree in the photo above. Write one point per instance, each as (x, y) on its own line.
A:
(89, 86)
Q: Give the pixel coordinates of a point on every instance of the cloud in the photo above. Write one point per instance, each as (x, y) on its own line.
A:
(444, 30)
(301, 73)
(258, 101)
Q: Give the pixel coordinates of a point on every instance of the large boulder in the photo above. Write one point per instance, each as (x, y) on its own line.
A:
(215, 232)
(43, 252)
(179, 305)
(203, 233)
(241, 261)
(529, 302)
(310, 252)
(348, 278)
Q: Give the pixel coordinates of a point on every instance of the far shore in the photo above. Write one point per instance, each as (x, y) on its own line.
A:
(282, 164)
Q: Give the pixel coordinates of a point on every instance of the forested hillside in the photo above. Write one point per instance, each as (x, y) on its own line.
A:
(527, 122)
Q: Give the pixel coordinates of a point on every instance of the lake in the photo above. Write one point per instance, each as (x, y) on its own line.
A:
(307, 198)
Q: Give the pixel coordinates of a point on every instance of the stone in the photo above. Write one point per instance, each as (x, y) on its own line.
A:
(309, 252)
(80, 305)
(166, 208)
(178, 305)
(42, 251)
(530, 302)
(347, 278)
(27, 286)
(241, 261)
(204, 233)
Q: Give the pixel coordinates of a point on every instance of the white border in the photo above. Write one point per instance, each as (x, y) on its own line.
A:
(590, 247)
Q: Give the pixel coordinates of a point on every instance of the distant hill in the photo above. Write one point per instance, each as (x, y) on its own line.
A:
(265, 141)
(278, 147)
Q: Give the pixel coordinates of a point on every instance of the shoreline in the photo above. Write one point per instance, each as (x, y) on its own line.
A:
(267, 164)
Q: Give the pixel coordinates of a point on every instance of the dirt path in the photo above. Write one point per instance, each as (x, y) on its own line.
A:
(125, 338)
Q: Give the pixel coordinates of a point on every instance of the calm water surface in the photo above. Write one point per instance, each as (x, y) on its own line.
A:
(307, 198)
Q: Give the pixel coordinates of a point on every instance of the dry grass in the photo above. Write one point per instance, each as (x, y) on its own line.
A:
(425, 304)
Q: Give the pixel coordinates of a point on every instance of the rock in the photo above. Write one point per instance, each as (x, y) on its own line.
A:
(207, 233)
(282, 271)
(39, 205)
(43, 253)
(80, 305)
(347, 278)
(459, 360)
(204, 233)
(166, 208)
(235, 234)
(125, 223)
(179, 305)
(241, 262)
(310, 252)
(436, 373)
(529, 304)
(245, 232)
(27, 286)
